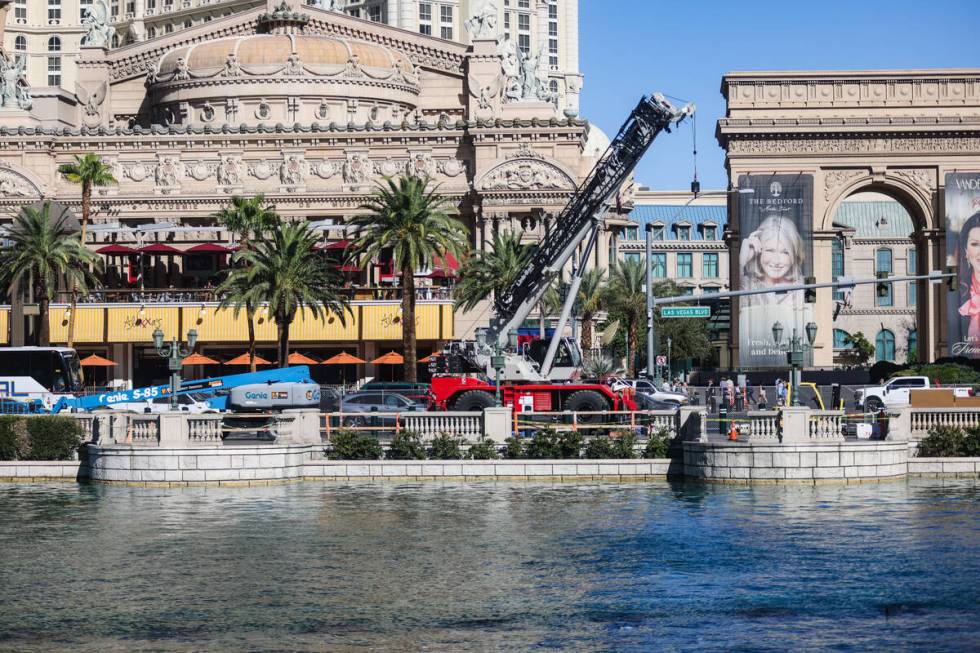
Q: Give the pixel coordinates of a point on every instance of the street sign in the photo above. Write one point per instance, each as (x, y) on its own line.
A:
(685, 311)
(662, 361)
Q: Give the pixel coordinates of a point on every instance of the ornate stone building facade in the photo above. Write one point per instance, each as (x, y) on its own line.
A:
(891, 132)
(311, 109)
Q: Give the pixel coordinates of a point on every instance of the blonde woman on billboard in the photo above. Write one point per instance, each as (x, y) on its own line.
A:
(772, 255)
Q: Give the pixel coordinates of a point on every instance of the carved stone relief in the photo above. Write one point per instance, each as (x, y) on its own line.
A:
(14, 185)
(323, 169)
(138, 171)
(961, 144)
(526, 175)
(262, 169)
(834, 179)
(922, 178)
(199, 170)
(452, 167)
(357, 167)
(292, 172)
(230, 171)
(168, 173)
(420, 164)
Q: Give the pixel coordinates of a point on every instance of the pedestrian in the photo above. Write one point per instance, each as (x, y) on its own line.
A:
(749, 392)
(780, 392)
(763, 399)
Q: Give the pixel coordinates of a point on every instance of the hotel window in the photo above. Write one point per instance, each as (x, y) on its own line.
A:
(83, 6)
(425, 18)
(446, 20)
(687, 290)
(883, 263)
(54, 12)
(885, 346)
(912, 265)
(507, 20)
(20, 48)
(913, 344)
(685, 265)
(524, 32)
(151, 4)
(114, 10)
(837, 267)
(54, 71)
(523, 4)
(842, 339)
(632, 257)
(553, 53)
(631, 233)
(709, 266)
(168, 28)
(20, 12)
(151, 32)
(683, 232)
(710, 232)
(658, 265)
(553, 11)
(658, 231)
(188, 23)
(131, 7)
(374, 13)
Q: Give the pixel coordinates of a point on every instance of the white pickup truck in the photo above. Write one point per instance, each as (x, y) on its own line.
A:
(896, 393)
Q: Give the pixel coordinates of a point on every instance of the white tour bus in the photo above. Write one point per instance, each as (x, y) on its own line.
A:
(44, 373)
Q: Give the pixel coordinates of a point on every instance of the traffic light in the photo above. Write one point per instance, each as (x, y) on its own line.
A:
(951, 281)
(810, 294)
(881, 287)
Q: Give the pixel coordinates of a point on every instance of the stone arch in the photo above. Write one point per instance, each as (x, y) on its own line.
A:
(16, 182)
(916, 200)
(526, 174)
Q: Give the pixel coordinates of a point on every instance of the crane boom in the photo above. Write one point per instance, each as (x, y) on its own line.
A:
(589, 205)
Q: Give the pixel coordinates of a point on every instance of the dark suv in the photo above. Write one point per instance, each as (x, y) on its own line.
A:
(417, 392)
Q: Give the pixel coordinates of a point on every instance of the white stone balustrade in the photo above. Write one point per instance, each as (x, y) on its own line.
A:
(763, 426)
(204, 428)
(466, 425)
(908, 423)
(144, 429)
(826, 425)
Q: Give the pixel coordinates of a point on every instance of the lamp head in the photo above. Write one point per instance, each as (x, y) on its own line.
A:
(158, 338)
(777, 332)
(811, 332)
(512, 339)
(192, 338)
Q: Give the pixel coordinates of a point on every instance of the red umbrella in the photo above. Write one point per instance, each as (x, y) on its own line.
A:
(446, 266)
(208, 248)
(161, 249)
(115, 250)
(337, 245)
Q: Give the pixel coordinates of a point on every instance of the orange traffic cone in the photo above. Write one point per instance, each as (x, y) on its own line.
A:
(733, 432)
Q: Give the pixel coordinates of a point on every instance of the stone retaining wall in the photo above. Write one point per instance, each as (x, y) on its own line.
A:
(837, 462)
(42, 470)
(257, 464)
(944, 467)
(383, 470)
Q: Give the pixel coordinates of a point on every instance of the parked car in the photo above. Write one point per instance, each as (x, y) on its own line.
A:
(418, 392)
(896, 393)
(186, 403)
(367, 404)
(649, 388)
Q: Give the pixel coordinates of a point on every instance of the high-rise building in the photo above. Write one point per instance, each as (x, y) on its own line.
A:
(47, 34)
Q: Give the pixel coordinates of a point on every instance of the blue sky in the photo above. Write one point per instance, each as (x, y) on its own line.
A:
(631, 48)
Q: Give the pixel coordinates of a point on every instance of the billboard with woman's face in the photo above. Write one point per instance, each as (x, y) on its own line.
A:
(963, 251)
(776, 248)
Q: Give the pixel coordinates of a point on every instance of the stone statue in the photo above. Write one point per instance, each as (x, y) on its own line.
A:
(232, 67)
(511, 64)
(330, 5)
(96, 21)
(483, 23)
(14, 91)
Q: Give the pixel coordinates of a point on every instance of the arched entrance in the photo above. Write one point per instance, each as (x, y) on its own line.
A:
(897, 133)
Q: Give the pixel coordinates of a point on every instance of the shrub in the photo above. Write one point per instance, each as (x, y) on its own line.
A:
(351, 445)
(543, 445)
(445, 447)
(406, 445)
(623, 443)
(484, 449)
(601, 446)
(944, 373)
(53, 437)
(514, 448)
(971, 442)
(658, 445)
(942, 442)
(569, 444)
(14, 443)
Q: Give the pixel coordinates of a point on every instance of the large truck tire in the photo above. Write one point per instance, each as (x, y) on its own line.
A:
(586, 401)
(474, 400)
(874, 405)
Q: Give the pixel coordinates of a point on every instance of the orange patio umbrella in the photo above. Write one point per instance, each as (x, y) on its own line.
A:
(199, 359)
(391, 358)
(244, 360)
(97, 361)
(428, 358)
(343, 358)
(297, 358)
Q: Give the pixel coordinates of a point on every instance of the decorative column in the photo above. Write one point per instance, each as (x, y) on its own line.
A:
(92, 90)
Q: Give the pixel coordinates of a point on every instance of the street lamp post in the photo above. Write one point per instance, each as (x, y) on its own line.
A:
(669, 368)
(795, 349)
(175, 353)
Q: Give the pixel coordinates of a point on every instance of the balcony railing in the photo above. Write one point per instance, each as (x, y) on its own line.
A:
(208, 295)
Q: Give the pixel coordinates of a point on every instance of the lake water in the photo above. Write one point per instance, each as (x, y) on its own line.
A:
(473, 567)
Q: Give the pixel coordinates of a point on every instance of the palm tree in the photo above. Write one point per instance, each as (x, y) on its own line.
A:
(247, 218)
(627, 300)
(408, 218)
(590, 300)
(486, 274)
(88, 170)
(286, 271)
(45, 250)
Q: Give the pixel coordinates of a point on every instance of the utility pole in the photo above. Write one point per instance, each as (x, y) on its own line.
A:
(651, 335)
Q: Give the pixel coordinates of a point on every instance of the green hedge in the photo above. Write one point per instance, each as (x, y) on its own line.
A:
(948, 442)
(45, 437)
